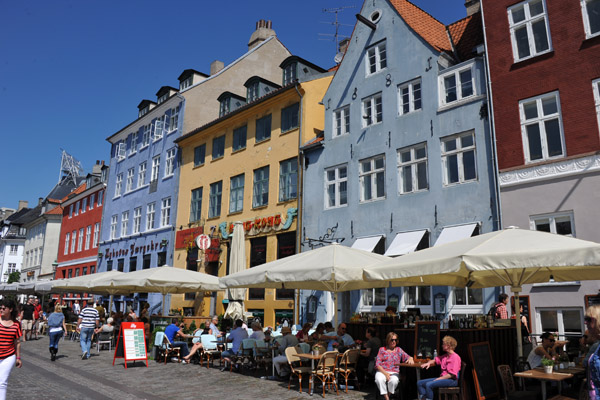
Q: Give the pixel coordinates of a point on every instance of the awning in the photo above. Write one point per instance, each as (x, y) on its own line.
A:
(405, 242)
(367, 243)
(454, 233)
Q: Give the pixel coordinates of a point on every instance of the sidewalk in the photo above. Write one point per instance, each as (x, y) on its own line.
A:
(69, 377)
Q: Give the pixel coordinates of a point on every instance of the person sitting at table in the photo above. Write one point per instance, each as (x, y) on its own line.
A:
(257, 332)
(172, 332)
(280, 362)
(213, 330)
(371, 348)
(546, 350)
(195, 348)
(340, 337)
(387, 365)
(108, 326)
(302, 334)
(318, 333)
(235, 337)
(450, 363)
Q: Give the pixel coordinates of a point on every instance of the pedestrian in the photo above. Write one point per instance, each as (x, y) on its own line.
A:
(592, 359)
(76, 307)
(10, 346)
(27, 318)
(56, 329)
(86, 324)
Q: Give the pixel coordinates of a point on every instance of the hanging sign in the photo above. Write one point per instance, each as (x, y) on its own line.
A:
(131, 343)
(203, 242)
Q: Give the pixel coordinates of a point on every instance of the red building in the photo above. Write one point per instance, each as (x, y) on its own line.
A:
(544, 74)
(80, 229)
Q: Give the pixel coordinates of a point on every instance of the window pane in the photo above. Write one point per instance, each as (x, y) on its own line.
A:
(466, 85)
(382, 56)
(331, 175)
(530, 110)
(343, 193)
(407, 179)
(563, 226)
(539, 35)
(452, 169)
(410, 296)
(380, 184)
(450, 145)
(518, 14)
(342, 172)
(420, 153)
(522, 42)
(460, 296)
(331, 195)
(549, 106)
(379, 163)
(469, 165)
(466, 141)
(572, 322)
(424, 295)
(549, 321)
(405, 156)
(450, 86)
(422, 176)
(367, 297)
(379, 296)
(367, 188)
(475, 296)
(593, 11)
(553, 137)
(366, 166)
(536, 8)
(417, 95)
(542, 225)
(535, 144)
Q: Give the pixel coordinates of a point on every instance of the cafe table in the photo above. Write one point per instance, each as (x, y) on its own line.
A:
(543, 377)
(416, 365)
(312, 357)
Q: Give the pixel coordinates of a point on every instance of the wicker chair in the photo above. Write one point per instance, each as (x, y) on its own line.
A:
(325, 370)
(510, 389)
(295, 367)
(347, 366)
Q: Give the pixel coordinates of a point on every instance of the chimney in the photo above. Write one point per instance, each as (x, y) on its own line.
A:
(97, 168)
(40, 200)
(22, 204)
(344, 45)
(263, 32)
(472, 6)
(216, 66)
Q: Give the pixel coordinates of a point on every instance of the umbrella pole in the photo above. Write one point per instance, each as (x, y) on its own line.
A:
(110, 304)
(335, 308)
(516, 291)
(163, 304)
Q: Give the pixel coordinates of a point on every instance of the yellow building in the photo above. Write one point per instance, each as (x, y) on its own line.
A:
(243, 166)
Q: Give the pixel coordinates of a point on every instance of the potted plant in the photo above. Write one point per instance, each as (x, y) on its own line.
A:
(548, 364)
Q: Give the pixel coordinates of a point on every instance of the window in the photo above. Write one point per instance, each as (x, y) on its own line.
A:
(412, 169)
(341, 121)
(80, 241)
(596, 89)
(150, 210)
(132, 264)
(565, 321)
(214, 201)
(113, 226)
(336, 186)
(529, 30)
(124, 223)
(96, 234)
(186, 83)
(165, 212)
(218, 147)
(372, 110)
(67, 236)
(141, 180)
(224, 106)
(376, 58)
(129, 185)
(117, 188)
(591, 17)
(137, 220)
(14, 248)
(133, 146)
(374, 297)
(199, 154)
(12, 267)
(417, 296)
(372, 178)
(88, 236)
(170, 162)
(263, 128)
(236, 194)
(174, 119)
(77, 208)
(84, 271)
(289, 117)
(71, 211)
(146, 136)
(239, 138)
(559, 223)
(100, 197)
(158, 129)
(409, 97)
(458, 158)
(541, 127)
(252, 92)
(73, 241)
(467, 296)
(260, 192)
(289, 73)
(120, 150)
(196, 206)
(155, 168)
(288, 179)
(456, 85)
(83, 205)
(92, 200)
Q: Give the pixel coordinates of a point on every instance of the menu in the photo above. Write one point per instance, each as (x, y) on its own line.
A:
(131, 343)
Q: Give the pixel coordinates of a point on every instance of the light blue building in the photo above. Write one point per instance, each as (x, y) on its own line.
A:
(406, 161)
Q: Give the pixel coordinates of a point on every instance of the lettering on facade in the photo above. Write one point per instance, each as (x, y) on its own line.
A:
(261, 224)
(133, 249)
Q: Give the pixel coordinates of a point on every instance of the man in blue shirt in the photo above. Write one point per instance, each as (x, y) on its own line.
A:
(172, 332)
(235, 337)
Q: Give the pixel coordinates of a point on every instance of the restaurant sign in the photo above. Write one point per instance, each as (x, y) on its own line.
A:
(261, 224)
(133, 249)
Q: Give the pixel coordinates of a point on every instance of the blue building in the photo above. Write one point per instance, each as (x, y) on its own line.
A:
(406, 160)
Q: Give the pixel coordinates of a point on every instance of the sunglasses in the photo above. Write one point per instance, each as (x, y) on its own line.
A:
(3, 308)
(393, 340)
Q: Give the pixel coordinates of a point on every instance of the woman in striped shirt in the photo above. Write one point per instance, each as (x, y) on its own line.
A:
(10, 346)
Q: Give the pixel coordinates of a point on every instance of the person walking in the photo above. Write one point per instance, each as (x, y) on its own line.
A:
(10, 345)
(56, 329)
(27, 318)
(86, 324)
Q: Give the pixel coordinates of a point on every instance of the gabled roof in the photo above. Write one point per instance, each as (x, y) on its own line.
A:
(58, 210)
(17, 215)
(186, 73)
(467, 34)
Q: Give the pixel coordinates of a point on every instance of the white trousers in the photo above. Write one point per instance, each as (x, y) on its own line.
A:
(6, 365)
(280, 363)
(385, 387)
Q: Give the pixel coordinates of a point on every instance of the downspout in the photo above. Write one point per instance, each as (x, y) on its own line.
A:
(300, 193)
(490, 107)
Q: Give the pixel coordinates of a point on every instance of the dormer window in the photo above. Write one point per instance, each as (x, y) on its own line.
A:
(290, 73)
(186, 83)
(252, 92)
(224, 108)
(144, 111)
(163, 98)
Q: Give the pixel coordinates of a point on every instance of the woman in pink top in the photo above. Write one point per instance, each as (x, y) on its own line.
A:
(387, 365)
(450, 363)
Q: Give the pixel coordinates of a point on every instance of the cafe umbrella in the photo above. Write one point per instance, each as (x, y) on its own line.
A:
(510, 257)
(236, 296)
(88, 284)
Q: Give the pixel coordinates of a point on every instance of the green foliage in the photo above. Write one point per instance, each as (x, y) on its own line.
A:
(14, 277)
(546, 362)
(153, 335)
(192, 327)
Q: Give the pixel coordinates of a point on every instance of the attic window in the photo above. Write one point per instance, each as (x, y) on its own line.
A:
(163, 98)
(375, 16)
(186, 83)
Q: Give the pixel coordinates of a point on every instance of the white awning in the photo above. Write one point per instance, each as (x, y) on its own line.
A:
(454, 233)
(367, 243)
(405, 242)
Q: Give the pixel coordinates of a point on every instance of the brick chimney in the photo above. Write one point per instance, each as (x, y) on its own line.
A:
(22, 204)
(216, 66)
(472, 6)
(263, 32)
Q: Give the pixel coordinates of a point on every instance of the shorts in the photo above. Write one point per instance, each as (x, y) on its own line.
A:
(27, 324)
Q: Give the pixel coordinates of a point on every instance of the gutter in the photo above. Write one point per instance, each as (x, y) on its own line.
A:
(300, 196)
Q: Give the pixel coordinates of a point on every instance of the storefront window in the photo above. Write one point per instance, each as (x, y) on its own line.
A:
(286, 246)
(162, 258)
(191, 259)
(258, 256)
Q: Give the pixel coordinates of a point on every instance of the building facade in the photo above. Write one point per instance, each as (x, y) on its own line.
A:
(12, 241)
(406, 161)
(544, 65)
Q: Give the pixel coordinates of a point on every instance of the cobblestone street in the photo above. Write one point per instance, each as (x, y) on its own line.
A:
(69, 377)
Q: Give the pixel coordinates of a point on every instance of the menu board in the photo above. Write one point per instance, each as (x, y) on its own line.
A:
(131, 343)
(427, 338)
(484, 374)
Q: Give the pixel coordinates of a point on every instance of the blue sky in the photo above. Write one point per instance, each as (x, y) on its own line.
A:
(73, 72)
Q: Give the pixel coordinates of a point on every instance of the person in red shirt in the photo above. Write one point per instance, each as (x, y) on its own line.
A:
(501, 311)
(10, 345)
(37, 315)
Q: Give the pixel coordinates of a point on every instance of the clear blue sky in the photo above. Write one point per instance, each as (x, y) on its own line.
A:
(72, 72)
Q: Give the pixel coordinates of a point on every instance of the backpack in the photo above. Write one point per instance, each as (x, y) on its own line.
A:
(493, 311)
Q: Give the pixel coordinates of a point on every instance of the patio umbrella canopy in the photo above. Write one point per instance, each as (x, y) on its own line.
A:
(87, 284)
(235, 308)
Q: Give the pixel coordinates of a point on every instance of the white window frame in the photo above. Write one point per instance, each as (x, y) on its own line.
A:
(92, 200)
(371, 293)
(374, 54)
(146, 136)
(158, 129)
(165, 212)
(141, 179)
(129, 184)
(336, 182)
(124, 223)
(412, 88)
(113, 226)
(13, 250)
(236, 193)
(540, 120)
(155, 169)
(118, 185)
(170, 163)
(83, 204)
(73, 241)
(425, 309)
(596, 90)
(260, 187)
(459, 152)
(121, 151)
(137, 220)
(552, 219)
(174, 118)
(371, 175)
(88, 236)
(586, 20)
(77, 206)
(150, 216)
(133, 147)
(468, 308)
(527, 23)
(96, 234)
(341, 121)
(413, 164)
(80, 240)
(559, 315)
(67, 237)
(370, 116)
(459, 85)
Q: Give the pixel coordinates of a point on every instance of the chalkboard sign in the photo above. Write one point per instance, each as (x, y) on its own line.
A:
(484, 373)
(427, 338)
(131, 343)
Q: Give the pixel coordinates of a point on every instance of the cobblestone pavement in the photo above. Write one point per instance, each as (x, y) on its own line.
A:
(69, 377)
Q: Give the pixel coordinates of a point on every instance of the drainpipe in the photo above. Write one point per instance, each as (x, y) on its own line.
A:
(299, 202)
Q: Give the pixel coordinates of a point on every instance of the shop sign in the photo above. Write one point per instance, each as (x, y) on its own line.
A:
(185, 238)
(133, 249)
(261, 224)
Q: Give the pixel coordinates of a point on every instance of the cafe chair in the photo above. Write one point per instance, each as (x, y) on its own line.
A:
(510, 389)
(262, 354)
(246, 352)
(210, 350)
(303, 347)
(296, 367)
(325, 371)
(347, 366)
(168, 350)
(104, 338)
(454, 392)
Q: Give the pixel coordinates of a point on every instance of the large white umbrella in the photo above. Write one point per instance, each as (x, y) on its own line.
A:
(236, 296)
(511, 257)
(87, 283)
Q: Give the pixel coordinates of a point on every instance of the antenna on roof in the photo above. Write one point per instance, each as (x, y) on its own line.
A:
(70, 168)
(336, 36)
